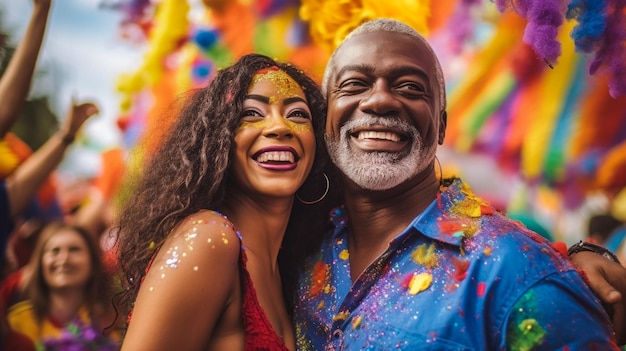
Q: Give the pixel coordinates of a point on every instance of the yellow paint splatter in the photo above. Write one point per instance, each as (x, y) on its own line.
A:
(344, 255)
(487, 251)
(340, 316)
(425, 255)
(356, 322)
(419, 283)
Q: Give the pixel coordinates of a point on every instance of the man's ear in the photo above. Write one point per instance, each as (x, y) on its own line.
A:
(443, 122)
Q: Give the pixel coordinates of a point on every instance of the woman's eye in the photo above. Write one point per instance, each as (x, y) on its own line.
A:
(299, 115)
(250, 114)
(75, 249)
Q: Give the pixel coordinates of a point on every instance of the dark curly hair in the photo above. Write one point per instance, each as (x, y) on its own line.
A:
(191, 170)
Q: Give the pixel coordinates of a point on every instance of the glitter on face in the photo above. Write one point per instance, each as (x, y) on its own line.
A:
(286, 87)
(283, 82)
(262, 124)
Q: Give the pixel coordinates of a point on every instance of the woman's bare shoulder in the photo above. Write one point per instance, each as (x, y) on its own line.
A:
(204, 237)
(193, 279)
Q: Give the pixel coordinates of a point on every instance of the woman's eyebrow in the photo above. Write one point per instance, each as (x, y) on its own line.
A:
(260, 98)
(292, 100)
(265, 99)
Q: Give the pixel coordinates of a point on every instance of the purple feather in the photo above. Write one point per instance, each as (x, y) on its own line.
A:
(544, 19)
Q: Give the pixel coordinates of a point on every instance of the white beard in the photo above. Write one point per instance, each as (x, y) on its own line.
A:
(376, 170)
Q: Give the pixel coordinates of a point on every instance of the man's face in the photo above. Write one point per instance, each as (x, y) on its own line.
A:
(384, 119)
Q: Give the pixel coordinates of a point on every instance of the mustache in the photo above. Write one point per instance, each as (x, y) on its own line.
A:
(386, 122)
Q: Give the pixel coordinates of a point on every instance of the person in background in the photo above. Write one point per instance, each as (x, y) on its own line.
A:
(68, 293)
(414, 260)
(600, 227)
(18, 188)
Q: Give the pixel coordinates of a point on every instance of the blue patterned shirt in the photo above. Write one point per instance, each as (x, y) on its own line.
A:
(460, 277)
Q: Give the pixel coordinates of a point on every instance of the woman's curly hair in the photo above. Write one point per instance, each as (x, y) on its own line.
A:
(191, 170)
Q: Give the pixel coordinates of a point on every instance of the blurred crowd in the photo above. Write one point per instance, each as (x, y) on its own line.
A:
(58, 275)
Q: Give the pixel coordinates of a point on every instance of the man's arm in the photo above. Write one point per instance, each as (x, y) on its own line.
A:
(15, 83)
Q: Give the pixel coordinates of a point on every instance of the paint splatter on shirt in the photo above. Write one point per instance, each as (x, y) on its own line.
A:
(461, 277)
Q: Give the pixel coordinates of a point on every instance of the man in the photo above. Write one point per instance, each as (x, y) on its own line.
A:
(421, 265)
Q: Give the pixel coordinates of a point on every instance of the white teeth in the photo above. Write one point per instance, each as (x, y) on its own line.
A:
(378, 135)
(276, 156)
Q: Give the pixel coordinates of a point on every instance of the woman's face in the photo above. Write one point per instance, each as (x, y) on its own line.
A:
(275, 142)
(66, 260)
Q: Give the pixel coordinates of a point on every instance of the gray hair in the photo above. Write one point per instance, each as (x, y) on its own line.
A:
(387, 25)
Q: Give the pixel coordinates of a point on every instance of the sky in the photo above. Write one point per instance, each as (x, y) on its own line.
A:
(82, 56)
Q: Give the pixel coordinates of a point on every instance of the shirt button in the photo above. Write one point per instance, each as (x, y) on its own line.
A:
(337, 333)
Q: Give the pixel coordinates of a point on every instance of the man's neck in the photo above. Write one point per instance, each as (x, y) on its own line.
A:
(376, 217)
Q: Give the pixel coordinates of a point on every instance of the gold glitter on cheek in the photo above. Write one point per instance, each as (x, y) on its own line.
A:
(299, 127)
(261, 124)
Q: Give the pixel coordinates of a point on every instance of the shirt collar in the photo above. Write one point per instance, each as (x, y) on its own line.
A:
(449, 219)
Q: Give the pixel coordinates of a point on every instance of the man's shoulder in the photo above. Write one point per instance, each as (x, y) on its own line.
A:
(510, 244)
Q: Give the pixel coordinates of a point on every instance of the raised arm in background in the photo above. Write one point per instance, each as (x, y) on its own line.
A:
(15, 83)
(26, 179)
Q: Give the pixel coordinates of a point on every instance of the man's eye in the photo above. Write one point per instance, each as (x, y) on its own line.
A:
(412, 89)
(351, 85)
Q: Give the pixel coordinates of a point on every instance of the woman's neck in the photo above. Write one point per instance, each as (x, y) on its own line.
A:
(65, 304)
(261, 222)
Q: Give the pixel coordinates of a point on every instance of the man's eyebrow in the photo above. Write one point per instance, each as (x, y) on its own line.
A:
(397, 72)
(266, 99)
(366, 69)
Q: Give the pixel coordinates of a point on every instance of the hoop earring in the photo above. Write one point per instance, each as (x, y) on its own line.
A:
(440, 171)
(323, 195)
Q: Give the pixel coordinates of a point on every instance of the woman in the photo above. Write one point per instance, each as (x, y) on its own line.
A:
(200, 240)
(67, 290)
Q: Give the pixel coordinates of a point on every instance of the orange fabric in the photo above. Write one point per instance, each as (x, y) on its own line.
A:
(112, 174)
